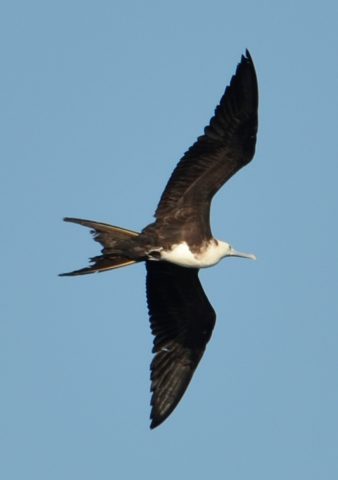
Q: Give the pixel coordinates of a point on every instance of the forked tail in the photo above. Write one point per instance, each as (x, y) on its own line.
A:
(110, 238)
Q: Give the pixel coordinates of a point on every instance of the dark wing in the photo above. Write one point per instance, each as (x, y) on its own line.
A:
(227, 145)
(182, 321)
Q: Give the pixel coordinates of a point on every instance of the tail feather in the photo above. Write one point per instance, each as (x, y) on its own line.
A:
(110, 237)
(100, 264)
(101, 228)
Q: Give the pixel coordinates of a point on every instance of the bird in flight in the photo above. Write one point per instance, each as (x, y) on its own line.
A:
(179, 242)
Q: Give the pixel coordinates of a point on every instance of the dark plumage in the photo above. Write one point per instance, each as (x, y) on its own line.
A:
(182, 321)
(180, 241)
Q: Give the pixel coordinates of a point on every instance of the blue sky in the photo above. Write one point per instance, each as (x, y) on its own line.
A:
(98, 102)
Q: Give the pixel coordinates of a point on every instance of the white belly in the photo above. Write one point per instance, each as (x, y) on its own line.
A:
(182, 255)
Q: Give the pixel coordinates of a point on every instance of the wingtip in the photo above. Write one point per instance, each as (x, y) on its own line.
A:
(246, 64)
(156, 421)
(153, 425)
(247, 57)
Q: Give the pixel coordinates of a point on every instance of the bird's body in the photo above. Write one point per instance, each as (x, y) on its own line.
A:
(210, 254)
(180, 241)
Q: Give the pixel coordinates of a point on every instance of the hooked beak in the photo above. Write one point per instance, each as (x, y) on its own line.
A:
(234, 253)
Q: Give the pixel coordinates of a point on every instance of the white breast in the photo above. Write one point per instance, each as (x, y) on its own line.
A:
(181, 254)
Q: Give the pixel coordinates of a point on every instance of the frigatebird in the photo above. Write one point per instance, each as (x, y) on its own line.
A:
(180, 242)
